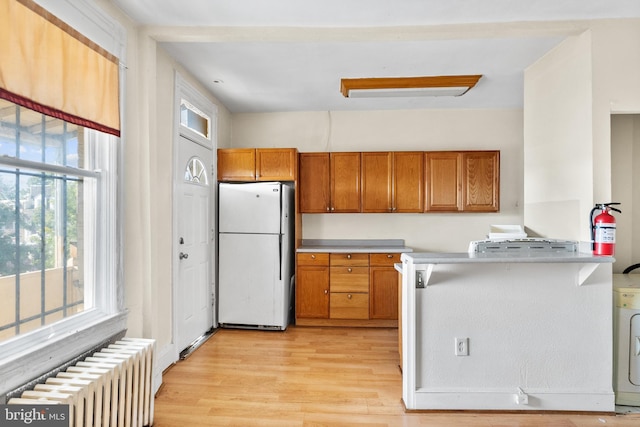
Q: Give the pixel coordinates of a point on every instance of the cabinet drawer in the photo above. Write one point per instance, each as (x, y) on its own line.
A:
(308, 258)
(346, 305)
(361, 260)
(349, 279)
(384, 260)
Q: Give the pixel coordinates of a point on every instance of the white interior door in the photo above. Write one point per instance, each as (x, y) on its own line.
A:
(193, 290)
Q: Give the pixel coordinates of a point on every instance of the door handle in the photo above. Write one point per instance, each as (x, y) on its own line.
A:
(183, 255)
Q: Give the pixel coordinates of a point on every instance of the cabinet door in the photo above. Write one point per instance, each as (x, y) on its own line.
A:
(481, 177)
(383, 295)
(345, 182)
(408, 181)
(276, 164)
(377, 182)
(236, 164)
(314, 183)
(444, 181)
(312, 292)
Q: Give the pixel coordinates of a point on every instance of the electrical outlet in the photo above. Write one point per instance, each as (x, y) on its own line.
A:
(462, 347)
(419, 279)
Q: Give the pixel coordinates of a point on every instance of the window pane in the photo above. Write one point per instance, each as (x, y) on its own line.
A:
(42, 217)
(194, 119)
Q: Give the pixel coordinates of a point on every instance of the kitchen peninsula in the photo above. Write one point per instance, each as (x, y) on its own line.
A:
(494, 331)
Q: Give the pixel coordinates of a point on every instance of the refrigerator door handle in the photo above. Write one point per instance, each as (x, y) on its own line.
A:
(280, 254)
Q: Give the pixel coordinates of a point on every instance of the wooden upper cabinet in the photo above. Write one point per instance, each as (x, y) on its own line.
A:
(345, 182)
(481, 177)
(464, 181)
(236, 164)
(408, 181)
(400, 181)
(377, 190)
(444, 181)
(314, 183)
(257, 164)
(276, 164)
(392, 181)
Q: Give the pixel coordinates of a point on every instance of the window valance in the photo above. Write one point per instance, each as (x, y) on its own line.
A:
(47, 66)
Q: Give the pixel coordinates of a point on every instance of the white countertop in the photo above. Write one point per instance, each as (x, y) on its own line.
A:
(464, 257)
(354, 246)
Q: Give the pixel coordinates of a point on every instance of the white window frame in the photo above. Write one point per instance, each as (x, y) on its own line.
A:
(32, 354)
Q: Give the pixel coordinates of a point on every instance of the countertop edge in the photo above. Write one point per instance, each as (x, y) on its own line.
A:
(353, 246)
(354, 249)
(469, 258)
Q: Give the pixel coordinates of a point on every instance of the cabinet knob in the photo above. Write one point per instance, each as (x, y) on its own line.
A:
(326, 291)
(349, 269)
(333, 209)
(328, 208)
(348, 256)
(313, 256)
(349, 296)
(389, 256)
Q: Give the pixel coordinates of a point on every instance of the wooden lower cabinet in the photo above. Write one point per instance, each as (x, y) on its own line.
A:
(312, 286)
(383, 295)
(383, 292)
(312, 292)
(342, 289)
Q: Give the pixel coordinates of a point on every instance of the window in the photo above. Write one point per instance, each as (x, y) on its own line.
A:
(48, 218)
(60, 266)
(195, 172)
(194, 120)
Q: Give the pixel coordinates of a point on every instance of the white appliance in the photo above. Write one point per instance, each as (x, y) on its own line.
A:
(626, 296)
(255, 254)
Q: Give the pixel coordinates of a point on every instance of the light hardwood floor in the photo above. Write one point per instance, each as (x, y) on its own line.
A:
(310, 376)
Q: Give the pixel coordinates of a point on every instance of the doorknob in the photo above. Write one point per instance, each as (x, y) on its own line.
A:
(183, 255)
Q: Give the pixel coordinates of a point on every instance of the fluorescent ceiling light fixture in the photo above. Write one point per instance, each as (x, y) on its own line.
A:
(407, 86)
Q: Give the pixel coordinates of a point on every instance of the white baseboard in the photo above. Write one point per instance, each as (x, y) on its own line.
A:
(511, 401)
(166, 357)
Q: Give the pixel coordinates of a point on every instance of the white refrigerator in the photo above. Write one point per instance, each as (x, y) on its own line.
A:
(255, 254)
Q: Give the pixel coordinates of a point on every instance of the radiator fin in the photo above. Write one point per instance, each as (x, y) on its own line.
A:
(113, 387)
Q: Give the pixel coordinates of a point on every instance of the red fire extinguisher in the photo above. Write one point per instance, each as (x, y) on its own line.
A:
(603, 229)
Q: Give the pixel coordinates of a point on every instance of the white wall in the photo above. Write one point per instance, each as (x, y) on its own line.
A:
(558, 142)
(422, 130)
(570, 95)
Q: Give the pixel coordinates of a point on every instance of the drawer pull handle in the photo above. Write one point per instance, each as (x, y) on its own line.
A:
(348, 256)
(349, 270)
(313, 257)
(349, 296)
(389, 256)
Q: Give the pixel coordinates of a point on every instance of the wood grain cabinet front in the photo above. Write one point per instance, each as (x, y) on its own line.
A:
(312, 286)
(347, 289)
(329, 182)
(257, 164)
(481, 178)
(383, 293)
(349, 285)
(462, 181)
(393, 182)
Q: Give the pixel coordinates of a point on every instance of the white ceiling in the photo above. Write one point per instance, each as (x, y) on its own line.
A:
(289, 55)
